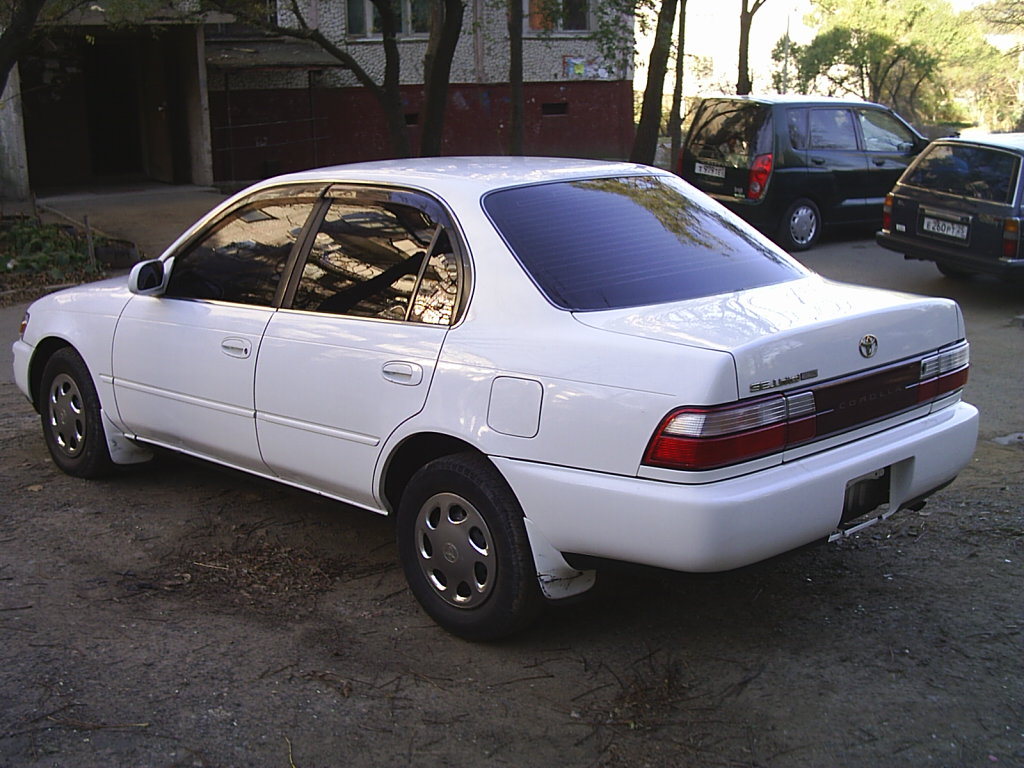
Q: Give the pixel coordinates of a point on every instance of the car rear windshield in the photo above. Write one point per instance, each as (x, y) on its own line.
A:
(731, 132)
(630, 241)
(982, 173)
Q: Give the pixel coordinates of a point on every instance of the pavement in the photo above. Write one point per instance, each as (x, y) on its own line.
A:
(151, 215)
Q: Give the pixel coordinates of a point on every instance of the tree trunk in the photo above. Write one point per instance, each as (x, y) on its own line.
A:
(675, 118)
(645, 144)
(445, 28)
(743, 84)
(14, 38)
(515, 77)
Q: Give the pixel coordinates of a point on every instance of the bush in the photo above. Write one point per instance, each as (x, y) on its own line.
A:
(58, 252)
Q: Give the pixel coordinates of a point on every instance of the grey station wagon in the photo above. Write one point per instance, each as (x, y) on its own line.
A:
(959, 205)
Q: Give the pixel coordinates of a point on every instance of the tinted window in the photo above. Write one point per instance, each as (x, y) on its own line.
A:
(242, 259)
(623, 242)
(731, 132)
(883, 132)
(798, 128)
(983, 173)
(832, 129)
(379, 258)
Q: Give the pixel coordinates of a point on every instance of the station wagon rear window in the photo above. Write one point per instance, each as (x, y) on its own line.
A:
(630, 241)
(982, 173)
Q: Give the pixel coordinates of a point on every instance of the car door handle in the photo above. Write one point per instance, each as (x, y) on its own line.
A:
(818, 160)
(235, 347)
(879, 161)
(408, 374)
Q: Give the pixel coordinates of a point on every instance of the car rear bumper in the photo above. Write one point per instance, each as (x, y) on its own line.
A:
(727, 524)
(951, 256)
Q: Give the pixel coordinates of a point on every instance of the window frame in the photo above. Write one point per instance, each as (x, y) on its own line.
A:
(556, 28)
(405, 21)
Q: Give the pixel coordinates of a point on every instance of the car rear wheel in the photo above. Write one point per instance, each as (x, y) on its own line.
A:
(464, 549)
(801, 226)
(70, 411)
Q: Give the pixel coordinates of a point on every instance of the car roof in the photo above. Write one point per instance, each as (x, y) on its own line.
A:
(796, 100)
(467, 174)
(1014, 141)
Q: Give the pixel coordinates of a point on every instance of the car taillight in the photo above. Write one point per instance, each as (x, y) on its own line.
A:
(1011, 239)
(944, 373)
(698, 438)
(704, 438)
(887, 213)
(760, 172)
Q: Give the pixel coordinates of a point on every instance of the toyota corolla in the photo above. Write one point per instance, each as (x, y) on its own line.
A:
(535, 366)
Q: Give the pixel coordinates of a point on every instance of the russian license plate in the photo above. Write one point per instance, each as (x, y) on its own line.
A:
(718, 171)
(944, 228)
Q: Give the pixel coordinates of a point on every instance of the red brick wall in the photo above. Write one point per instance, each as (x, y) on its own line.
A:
(259, 133)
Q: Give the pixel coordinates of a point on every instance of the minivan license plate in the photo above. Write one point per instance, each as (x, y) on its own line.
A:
(945, 228)
(718, 171)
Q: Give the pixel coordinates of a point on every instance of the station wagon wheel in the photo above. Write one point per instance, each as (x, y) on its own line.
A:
(464, 549)
(801, 226)
(70, 412)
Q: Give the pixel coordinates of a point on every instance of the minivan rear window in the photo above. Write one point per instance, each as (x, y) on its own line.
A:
(630, 241)
(731, 132)
(982, 173)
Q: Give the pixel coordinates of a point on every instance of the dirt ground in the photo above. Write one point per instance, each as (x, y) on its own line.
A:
(181, 615)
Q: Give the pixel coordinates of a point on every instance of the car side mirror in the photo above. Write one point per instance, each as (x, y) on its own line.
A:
(148, 278)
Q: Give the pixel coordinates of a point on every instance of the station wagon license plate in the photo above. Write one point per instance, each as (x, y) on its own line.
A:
(718, 171)
(944, 228)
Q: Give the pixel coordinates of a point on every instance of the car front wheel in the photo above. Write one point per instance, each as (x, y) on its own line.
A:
(464, 549)
(801, 226)
(70, 411)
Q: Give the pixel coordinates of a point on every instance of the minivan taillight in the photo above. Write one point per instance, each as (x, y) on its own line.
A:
(760, 172)
(887, 213)
(1011, 239)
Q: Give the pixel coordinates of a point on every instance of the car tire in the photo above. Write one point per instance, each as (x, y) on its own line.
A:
(464, 549)
(69, 409)
(953, 272)
(801, 226)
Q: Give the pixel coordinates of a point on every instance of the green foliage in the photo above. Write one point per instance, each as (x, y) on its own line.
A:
(921, 57)
(28, 246)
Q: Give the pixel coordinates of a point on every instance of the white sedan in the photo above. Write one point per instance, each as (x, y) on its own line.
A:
(534, 365)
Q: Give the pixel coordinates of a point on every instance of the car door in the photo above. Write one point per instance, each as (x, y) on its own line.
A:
(890, 147)
(836, 164)
(353, 353)
(184, 362)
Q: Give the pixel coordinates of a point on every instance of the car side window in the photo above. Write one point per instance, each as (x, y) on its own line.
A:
(243, 257)
(883, 132)
(797, 128)
(380, 258)
(832, 129)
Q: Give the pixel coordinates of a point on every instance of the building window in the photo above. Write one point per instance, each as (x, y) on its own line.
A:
(558, 16)
(364, 19)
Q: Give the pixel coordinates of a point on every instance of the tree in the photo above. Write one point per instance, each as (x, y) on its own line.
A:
(645, 143)
(747, 10)
(675, 116)
(445, 29)
(17, 20)
(922, 58)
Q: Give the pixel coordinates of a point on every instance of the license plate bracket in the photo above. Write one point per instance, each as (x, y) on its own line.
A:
(865, 494)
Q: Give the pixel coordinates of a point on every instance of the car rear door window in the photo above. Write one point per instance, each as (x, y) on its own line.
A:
(981, 173)
(630, 241)
(373, 256)
(832, 129)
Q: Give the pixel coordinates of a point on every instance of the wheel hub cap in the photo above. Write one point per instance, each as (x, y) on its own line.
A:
(455, 551)
(66, 416)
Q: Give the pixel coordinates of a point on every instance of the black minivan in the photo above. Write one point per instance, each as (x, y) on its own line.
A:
(961, 205)
(791, 164)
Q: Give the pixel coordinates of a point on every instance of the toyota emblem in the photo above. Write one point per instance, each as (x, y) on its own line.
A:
(868, 346)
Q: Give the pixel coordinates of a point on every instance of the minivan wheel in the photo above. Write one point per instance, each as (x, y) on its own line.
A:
(464, 548)
(801, 226)
(953, 272)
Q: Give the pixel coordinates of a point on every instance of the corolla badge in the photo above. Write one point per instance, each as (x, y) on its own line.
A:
(868, 346)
